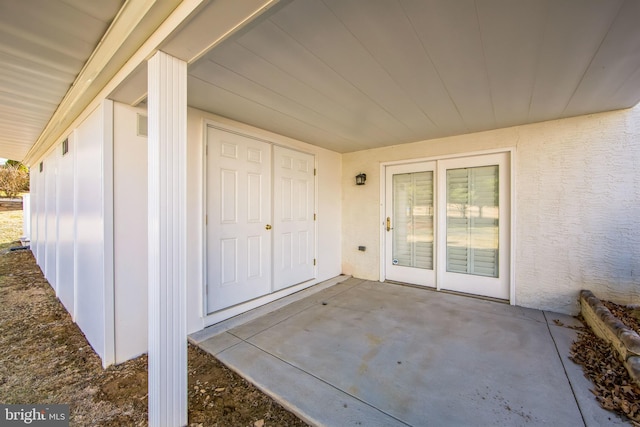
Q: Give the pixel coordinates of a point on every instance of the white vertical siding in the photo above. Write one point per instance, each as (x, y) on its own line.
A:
(26, 216)
(51, 218)
(74, 219)
(130, 233)
(33, 210)
(66, 236)
(41, 240)
(89, 263)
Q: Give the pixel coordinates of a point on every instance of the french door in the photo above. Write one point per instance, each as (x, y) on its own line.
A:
(448, 224)
(260, 206)
(410, 223)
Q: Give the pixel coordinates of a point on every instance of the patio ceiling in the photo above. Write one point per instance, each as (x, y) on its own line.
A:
(354, 74)
(342, 74)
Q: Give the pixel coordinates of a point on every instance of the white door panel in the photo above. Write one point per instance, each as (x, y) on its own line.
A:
(474, 198)
(294, 226)
(409, 223)
(239, 212)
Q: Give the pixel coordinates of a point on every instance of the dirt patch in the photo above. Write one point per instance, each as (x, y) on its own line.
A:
(45, 358)
(613, 387)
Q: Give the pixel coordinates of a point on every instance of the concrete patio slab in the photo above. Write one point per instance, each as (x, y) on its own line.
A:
(367, 353)
(317, 402)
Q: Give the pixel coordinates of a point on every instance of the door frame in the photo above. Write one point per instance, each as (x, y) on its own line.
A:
(226, 313)
(510, 152)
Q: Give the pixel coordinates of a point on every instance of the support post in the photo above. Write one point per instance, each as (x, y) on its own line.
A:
(167, 142)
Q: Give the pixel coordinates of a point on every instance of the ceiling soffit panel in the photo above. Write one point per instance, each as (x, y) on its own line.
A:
(357, 74)
(207, 27)
(43, 46)
(130, 29)
(615, 67)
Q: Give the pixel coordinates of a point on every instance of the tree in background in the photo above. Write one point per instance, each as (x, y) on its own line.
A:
(14, 179)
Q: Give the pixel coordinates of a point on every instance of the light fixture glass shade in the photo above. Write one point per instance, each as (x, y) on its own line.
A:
(361, 178)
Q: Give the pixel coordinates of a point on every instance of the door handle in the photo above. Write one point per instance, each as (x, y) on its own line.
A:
(267, 227)
(388, 224)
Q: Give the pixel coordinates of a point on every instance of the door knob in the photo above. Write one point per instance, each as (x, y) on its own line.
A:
(267, 227)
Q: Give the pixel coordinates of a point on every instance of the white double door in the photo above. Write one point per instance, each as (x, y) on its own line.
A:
(447, 224)
(260, 218)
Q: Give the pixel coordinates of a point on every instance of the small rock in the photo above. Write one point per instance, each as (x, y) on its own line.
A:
(259, 423)
(219, 389)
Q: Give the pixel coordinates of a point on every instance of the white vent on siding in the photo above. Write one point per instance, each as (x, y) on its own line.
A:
(142, 125)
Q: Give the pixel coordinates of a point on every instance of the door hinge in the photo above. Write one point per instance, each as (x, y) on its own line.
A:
(206, 150)
(315, 171)
(314, 261)
(314, 217)
(206, 219)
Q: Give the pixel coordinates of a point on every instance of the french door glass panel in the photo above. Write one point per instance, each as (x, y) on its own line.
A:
(410, 232)
(413, 214)
(473, 221)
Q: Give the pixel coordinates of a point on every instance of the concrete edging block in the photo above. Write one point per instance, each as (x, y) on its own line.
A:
(605, 325)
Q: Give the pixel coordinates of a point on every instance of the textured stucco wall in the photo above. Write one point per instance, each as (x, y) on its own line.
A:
(576, 206)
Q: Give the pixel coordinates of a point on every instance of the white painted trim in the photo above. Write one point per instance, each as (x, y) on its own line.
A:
(205, 176)
(316, 205)
(235, 310)
(448, 156)
(239, 131)
(510, 152)
(268, 4)
(109, 357)
(512, 209)
(382, 198)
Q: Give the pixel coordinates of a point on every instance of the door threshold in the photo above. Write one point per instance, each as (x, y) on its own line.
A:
(446, 291)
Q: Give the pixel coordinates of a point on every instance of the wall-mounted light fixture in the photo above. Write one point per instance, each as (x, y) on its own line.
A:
(361, 178)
